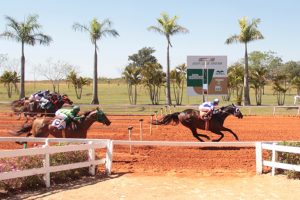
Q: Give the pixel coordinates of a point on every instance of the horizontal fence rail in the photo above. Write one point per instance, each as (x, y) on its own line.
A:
(91, 144)
(47, 150)
(274, 148)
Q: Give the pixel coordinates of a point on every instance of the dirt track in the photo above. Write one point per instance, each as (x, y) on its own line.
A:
(183, 160)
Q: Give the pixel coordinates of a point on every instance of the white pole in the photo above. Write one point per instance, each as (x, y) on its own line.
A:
(258, 150)
(109, 156)
(46, 164)
(206, 82)
(91, 156)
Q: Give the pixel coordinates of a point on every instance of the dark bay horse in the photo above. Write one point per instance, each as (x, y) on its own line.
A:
(190, 119)
(41, 127)
(33, 108)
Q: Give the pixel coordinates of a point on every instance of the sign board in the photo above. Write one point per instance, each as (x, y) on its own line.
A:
(206, 75)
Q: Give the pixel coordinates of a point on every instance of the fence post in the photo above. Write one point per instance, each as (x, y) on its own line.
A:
(274, 109)
(46, 164)
(129, 135)
(141, 129)
(109, 156)
(91, 156)
(273, 158)
(259, 162)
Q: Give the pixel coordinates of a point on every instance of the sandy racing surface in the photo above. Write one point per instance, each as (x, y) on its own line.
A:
(181, 171)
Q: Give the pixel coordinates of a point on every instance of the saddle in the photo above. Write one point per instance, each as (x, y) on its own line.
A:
(59, 124)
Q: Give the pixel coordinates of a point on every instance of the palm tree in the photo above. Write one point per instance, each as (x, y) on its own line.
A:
(26, 32)
(248, 33)
(132, 75)
(10, 80)
(97, 30)
(168, 26)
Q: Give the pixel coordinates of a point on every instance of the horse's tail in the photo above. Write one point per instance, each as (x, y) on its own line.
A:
(25, 129)
(168, 119)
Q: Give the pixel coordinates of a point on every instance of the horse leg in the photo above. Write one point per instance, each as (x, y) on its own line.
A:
(218, 133)
(197, 135)
(230, 131)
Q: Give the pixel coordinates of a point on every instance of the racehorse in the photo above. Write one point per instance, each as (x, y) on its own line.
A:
(42, 127)
(190, 119)
(33, 108)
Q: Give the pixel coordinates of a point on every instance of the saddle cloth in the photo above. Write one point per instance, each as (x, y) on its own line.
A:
(59, 124)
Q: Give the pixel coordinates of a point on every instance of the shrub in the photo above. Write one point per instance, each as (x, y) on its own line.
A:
(290, 158)
(30, 162)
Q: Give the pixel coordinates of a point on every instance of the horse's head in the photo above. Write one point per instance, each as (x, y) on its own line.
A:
(232, 109)
(99, 116)
(66, 99)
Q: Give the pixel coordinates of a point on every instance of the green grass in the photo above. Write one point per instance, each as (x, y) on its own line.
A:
(113, 97)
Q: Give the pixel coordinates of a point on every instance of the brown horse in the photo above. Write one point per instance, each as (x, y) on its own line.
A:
(42, 127)
(33, 108)
(190, 119)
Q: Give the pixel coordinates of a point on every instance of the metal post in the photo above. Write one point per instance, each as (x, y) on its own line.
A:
(155, 118)
(129, 135)
(141, 129)
(151, 120)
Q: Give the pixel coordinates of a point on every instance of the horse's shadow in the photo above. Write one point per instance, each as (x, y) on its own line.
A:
(220, 148)
(44, 192)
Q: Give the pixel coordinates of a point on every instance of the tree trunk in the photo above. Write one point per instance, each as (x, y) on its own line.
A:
(246, 80)
(95, 80)
(22, 87)
(168, 92)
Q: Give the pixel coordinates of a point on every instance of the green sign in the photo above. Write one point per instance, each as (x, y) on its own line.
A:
(195, 77)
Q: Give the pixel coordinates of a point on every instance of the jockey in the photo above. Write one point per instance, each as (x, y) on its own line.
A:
(207, 108)
(39, 95)
(67, 115)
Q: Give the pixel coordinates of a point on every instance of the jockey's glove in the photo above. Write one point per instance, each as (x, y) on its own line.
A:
(77, 118)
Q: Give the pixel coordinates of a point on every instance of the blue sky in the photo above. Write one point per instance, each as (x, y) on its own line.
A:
(209, 23)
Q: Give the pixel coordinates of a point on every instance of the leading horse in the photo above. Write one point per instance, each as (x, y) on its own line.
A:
(190, 119)
(42, 127)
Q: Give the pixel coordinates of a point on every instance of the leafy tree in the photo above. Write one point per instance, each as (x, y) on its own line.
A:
(258, 64)
(167, 27)
(280, 87)
(178, 77)
(26, 32)
(143, 56)
(248, 33)
(153, 79)
(132, 75)
(235, 81)
(10, 80)
(78, 82)
(97, 30)
(258, 81)
(296, 84)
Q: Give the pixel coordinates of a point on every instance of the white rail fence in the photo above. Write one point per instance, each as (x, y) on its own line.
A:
(47, 150)
(92, 144)
(274, 147)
